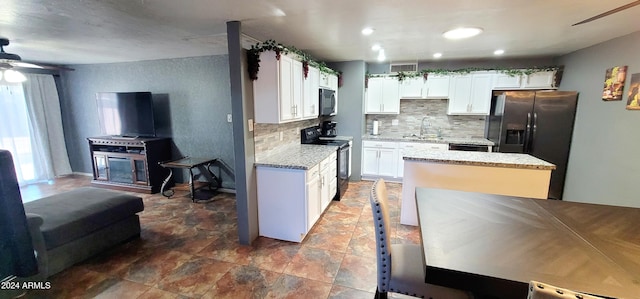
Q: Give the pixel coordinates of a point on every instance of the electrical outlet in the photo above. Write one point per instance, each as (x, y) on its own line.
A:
(250, 123)
(229, 117)
(281, 135)
(394, 122)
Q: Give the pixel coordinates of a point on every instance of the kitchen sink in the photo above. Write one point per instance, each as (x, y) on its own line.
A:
(426, 137)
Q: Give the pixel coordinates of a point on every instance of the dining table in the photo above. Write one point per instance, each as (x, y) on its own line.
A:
(494, 245)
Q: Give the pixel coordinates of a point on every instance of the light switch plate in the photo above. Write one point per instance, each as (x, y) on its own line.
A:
(250, 123)
(229, 118)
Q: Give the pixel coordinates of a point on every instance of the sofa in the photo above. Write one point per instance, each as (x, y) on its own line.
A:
(69, 227)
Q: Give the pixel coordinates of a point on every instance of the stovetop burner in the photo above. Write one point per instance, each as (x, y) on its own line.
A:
(311, 135)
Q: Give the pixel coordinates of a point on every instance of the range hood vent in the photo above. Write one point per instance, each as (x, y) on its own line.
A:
(395, 68)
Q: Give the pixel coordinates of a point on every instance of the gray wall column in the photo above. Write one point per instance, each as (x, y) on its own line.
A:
(242, 111)
(350, 116)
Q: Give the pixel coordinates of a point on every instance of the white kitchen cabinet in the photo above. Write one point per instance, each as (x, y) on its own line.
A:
(437, 87)
(278, 91)
(328, 180)
(470, 94)
(290, 201)
(506, 81)
(379, 159)
(324, 80)
(311, 94)
(539, 80)
(416, 146)
(314, 207)
(333, 85)
(412, 88)
(382, 96)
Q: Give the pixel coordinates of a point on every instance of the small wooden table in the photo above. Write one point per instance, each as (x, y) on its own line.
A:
(493, 245)
(202, 164)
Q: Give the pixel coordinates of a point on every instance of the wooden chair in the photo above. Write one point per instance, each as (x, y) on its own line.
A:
(400, 266)
(539, 290)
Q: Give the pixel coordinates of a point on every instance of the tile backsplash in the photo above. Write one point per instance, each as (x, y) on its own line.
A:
(267, 136)
(412, 111)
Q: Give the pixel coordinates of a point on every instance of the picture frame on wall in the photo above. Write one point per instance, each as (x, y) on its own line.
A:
(614, 83)
(633, 97)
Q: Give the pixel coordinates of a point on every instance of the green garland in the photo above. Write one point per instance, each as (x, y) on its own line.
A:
(424, 73)
(253, 57)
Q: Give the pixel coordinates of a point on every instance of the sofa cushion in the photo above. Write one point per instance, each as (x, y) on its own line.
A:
(70, 215)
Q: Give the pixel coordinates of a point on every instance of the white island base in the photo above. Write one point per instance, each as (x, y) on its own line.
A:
(512, 181)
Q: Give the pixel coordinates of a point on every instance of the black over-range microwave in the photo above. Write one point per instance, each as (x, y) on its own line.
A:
(328, 104)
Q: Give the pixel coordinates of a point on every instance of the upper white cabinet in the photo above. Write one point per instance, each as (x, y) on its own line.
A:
(437, 87)
(282, 94)
(506, 81)
(539, 80)
(411, 87)
(470, 94)
(382, 96)
(278, 91)
(311, 94)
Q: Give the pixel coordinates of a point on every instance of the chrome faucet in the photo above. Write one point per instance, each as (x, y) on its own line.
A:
(423, 128)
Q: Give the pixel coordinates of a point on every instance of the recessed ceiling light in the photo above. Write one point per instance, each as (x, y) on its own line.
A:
(367, 31)
(381, 56)
(437, 55)
(498, 52)
(462, 32)
(375, 47)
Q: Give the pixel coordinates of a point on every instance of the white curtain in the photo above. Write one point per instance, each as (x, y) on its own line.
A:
(45, 120)
(31, 129)
(15, 132)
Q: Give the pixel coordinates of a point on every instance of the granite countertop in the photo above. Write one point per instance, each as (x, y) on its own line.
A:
(479, 159)
(456, 140)
(339, 137)
(297, 156)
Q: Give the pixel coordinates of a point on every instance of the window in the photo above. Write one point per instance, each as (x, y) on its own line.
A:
(15, 134)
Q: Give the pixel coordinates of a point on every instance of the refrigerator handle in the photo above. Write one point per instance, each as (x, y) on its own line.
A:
(527, 135)
(535, 128)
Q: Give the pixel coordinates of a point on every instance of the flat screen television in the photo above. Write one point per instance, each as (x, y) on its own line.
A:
(126, 114)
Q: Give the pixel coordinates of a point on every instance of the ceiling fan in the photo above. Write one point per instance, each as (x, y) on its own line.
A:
(604, 14)
(9, 61)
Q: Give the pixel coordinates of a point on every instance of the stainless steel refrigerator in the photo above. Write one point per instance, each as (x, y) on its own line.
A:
(539, 123)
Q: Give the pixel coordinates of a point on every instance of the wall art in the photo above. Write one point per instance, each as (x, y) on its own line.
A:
(633, 100)
(614, 83)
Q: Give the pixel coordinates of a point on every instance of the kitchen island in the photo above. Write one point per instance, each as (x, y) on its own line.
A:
(494, 173)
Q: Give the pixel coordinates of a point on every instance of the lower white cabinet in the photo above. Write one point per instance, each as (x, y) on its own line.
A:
(328, 181)
(379, 158)
(290, 201)
(314, 207)
(413, 146)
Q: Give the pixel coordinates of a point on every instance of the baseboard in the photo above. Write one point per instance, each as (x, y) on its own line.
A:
(81, 173)
(227, 190)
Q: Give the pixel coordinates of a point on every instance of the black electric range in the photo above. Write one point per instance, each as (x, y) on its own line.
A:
(311, 135)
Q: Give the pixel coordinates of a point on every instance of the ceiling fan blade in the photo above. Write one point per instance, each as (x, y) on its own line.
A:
(25, 65)
(604, 14)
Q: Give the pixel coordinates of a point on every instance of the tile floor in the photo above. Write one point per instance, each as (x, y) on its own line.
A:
(189, 250)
